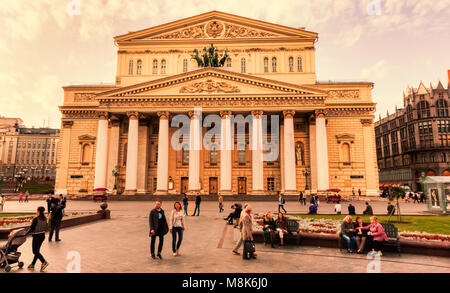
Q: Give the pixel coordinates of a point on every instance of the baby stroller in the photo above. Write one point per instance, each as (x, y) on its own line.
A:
(9, 254)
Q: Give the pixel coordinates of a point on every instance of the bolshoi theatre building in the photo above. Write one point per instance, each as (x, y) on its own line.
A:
(121, 137)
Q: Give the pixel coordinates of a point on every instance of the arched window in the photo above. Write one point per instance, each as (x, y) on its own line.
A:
(443, 158)
(299, 64)
(213, 155)
(266, 64)
(163, 66)
(130, 67)
(291, 64)
(274, 64)
(242, 65)
(423, 110)
(185, 154)
(139, 67)
(155, 66)
(346, 153)
(185, 65)
(442, 108)
(86, 154)
(229, 63)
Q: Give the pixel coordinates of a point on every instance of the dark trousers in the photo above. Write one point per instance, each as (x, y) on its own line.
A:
(197, 208)
(269, 235)
(160, 245)
(185, 209)
(281, 206)
(377, 245)
(54, 227)
(36, 245)
(176, 231)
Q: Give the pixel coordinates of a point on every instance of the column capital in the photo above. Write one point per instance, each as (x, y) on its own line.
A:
(67, 124)
(321, 113)
(226, 113)
(257, 113)
(288, 114)
(194, 114)
(366, 122)
(163, 115)
(133, 115)
(103, 115)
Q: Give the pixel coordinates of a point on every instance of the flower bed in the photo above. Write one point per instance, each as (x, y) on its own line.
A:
(7, 223)
(329, 226)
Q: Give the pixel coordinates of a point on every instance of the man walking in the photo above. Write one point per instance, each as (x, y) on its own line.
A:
(302, 198)
(239, 226)
(185, 204)
(158, 228)
(55, 222)
(281, 203)
(198, 200)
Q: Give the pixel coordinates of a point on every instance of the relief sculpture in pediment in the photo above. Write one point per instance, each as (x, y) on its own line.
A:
(209, 86)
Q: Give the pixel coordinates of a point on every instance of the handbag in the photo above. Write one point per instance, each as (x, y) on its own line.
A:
(249, 246)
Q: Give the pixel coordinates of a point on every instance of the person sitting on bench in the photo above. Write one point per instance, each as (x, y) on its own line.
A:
(234, 214)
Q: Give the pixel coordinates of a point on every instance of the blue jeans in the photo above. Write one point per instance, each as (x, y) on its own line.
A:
(351, 241)
(197, 208)
(176, 244)
(185, 209)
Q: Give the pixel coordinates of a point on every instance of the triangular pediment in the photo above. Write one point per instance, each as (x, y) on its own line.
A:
(212, 81)
(216, 25)
(422, 90)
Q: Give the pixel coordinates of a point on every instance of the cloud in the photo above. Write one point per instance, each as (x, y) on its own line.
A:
(377, 71)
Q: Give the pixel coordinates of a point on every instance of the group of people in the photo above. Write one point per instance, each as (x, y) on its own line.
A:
(21, 196)
(198, 200)
(160, 227)
(357, 233)
(39, 225)
(273, 227)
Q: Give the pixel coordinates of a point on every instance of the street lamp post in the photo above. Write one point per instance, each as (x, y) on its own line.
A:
(115, 173)
(306, 173)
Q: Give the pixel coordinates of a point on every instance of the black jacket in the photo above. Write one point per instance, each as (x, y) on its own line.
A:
(198, 199)
(57, 214)
(153, 221)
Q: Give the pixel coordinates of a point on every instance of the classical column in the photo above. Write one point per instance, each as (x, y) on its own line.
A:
(321, 151)
(63, 168)
(132, 153)
(226, 145)
(163, 155)
(101, 153)
(312, 150)
(142, 171)
(290, 171)
(113, 152)
(370, 159)
(257, 154)
(195, 144)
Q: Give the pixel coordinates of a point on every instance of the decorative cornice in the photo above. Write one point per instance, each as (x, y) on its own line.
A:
(343, 94)
(209, 86)
(366, 122)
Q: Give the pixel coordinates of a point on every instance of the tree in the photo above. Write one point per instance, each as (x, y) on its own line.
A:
(396, 193)
(210, 57)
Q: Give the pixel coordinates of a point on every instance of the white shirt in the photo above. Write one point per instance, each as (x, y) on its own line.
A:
(337, 208)
(177, 219)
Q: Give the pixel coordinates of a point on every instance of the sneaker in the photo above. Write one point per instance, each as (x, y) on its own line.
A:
(174, 254)
(44, 266)
(31, 267)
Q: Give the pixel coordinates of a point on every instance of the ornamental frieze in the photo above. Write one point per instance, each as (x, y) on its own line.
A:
(209, 86)
(84, 97)
(194, 32)
(344, 95)
(234, 31)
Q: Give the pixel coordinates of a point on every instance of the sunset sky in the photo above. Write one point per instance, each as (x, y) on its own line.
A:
(43, 47)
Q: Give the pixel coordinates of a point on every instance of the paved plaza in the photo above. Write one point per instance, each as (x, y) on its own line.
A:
(121, 245)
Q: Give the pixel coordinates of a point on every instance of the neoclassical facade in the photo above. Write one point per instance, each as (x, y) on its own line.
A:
(324, 134)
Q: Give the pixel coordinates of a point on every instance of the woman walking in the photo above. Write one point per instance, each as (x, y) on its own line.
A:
(377, 232)
(247, 233)
(220, 203)
(37, 229)
(177, 226)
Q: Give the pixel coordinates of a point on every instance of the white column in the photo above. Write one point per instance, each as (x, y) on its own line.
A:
(132, 153)
(113, 153)
(321, 152)
(142, 170)
(63, 157)
(257, 154)
(370, 158)
(290, 171)
(195, 144)
(162, 184)
(226, 146)
(101, 153)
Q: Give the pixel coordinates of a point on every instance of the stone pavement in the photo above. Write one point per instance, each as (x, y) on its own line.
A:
(122, 245)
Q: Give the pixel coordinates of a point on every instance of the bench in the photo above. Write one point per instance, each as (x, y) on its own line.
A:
(293, 232)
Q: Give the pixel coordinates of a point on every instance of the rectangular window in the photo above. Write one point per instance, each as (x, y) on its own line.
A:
(270, 184)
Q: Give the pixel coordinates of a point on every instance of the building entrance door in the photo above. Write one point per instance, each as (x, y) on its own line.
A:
(213, 185)
(242, 185)
(184, 185)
